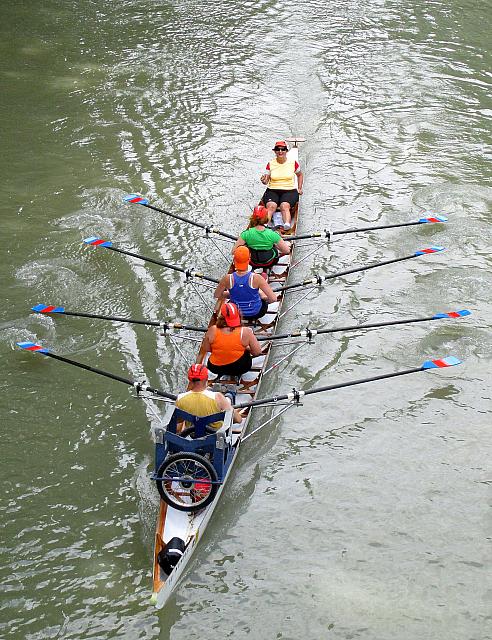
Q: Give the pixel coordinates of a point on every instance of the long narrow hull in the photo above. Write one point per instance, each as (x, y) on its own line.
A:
(189, 527)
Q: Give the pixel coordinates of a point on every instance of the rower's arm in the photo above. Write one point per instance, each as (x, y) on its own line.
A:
(262, 284)
(208, 339)
(300, 182)
(221, 287)
(283, 246)
(239, 243)
(224, 404)
(253, 344)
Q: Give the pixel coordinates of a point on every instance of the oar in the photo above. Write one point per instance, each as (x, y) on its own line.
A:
(327, 233)
(163, 324)
(311, 333)
(37, 348)
(318, 279)
(134, 198)
(295, 395)
(107, 244)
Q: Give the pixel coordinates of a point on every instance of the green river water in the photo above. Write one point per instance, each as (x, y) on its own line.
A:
(364, 514)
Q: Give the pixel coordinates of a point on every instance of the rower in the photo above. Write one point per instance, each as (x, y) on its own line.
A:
(265, 245)
(280, 180)
(200, 401)
(231, 346)
(249, 291)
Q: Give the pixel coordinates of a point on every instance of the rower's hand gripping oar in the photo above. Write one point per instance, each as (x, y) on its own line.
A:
(107, 244)
(295, 395)
(310, 333)
(138, 386)
(328, 233)
(134, 198)
(163, 324)
(319, 279)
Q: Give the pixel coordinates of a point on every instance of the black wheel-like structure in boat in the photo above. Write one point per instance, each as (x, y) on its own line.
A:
(187, 481)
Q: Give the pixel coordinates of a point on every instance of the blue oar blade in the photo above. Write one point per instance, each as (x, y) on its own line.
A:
(453, 314)
(46, 308)
(423, 252)
(32, 346)
(434, 219)
(450, 361)
(134, 198)
(98, 242)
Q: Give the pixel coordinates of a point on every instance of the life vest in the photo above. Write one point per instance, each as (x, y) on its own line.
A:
(263, 257)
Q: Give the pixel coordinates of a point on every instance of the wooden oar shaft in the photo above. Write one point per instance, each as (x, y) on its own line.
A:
(161, 263)
(192, 222)
(112, 376)
(346, 272)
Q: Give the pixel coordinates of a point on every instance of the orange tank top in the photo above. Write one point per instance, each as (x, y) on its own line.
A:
(227, 347)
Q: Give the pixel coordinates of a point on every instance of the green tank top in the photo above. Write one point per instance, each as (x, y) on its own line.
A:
(260, 240)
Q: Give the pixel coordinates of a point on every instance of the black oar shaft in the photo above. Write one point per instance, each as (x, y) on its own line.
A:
(346, 272)
(80, 314)
(353, 383)
(308, 236)
(327, 234)
(151, 323)
(112, 376)
(375, 227)
(192, 222)
(330, 387)
(354, 327)
(161, 263)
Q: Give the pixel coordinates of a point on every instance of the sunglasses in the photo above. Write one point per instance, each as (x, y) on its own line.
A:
(280, 148)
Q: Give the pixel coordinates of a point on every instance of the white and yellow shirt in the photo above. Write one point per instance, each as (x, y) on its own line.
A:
(282, 175)
(199, 403)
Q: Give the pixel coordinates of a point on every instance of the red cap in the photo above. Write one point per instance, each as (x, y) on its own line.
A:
(280, 143)
(230, 313)
(198, 372)
(260, 212)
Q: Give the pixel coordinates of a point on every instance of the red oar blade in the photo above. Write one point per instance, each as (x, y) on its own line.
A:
(32, 346)
(134, 198)
(453, 314)
(47, 308)
(98, 242)
(433, 219)
(422, 252)
(450, 361)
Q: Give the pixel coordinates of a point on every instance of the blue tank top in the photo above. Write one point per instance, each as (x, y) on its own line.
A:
(244, 295)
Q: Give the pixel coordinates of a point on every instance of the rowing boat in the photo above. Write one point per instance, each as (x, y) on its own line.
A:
(188, 498)
(178, 532)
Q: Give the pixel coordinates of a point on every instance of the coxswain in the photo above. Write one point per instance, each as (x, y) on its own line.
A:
(265, 245)
(200, 401)
(248, 290)
(279, 178)
(231, 346)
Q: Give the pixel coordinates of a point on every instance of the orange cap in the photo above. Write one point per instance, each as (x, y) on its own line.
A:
(280, 143)
(241, 258)
(230, 313)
